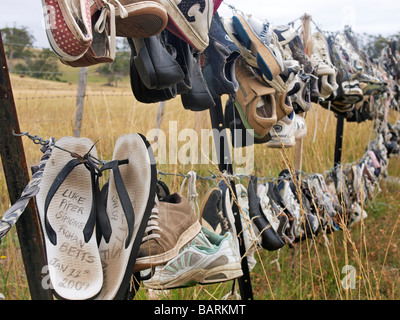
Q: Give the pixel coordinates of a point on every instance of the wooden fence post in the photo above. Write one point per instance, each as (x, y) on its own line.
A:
(17, 177)
(80, 98)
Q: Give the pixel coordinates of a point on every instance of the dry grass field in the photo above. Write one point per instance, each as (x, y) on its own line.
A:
(312, 270)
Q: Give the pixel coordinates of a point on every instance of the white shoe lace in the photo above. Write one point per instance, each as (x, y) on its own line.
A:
(191, 191)
(108, 13)
(152, 224)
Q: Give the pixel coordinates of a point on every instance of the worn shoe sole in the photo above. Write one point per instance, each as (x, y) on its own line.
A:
(285, 142)
(145, 19)
(265, 58)
(201, 276)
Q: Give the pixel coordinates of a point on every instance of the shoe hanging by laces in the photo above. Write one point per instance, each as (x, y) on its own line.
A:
(108, 13)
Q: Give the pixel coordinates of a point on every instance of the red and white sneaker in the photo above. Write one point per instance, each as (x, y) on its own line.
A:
(68, 27)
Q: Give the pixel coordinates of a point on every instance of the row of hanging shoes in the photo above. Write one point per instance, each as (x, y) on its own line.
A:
(272, 214)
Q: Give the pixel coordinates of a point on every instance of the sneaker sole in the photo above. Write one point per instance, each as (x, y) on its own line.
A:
(199, 276)
(145, 19)
(265, 58)
(287, 143)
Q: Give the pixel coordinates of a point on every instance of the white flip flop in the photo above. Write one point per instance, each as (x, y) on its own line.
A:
(131, 191)
(67, 211)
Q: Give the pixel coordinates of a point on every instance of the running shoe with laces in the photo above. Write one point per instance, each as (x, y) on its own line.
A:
(285, 132)
(255, 35)
(208, 258)
(318, 50)
(172, 225)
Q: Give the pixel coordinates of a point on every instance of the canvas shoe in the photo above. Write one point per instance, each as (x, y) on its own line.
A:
(68, 27)
(208, 258)
(318, 51)
(285, 132)
(219, 60)
(190, 20)
(253, 33)
(255, 101)
(172, 224)
(131, 18)
(285, 33)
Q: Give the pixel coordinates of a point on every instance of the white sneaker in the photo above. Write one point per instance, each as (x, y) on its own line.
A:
(262, 192)
(286, 131)
(208, 258)
(356, 214)
(190, 20)
(293, 207)
(249, 234)
(319, 57)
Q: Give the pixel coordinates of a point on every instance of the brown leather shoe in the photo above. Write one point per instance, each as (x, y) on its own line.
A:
(172, 225)
(255, 101)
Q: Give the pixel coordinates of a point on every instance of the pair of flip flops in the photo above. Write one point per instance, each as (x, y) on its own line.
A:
(92, 236)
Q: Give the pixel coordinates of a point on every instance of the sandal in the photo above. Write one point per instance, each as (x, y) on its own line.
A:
(68, 211)
(130, 198)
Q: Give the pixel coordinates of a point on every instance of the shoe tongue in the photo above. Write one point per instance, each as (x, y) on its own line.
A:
(260, 28)
(201, 240)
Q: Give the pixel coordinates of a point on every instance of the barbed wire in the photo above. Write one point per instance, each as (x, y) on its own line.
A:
(73, 96)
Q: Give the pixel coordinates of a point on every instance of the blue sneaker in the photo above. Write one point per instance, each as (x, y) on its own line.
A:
(253, 33)
(220, 58)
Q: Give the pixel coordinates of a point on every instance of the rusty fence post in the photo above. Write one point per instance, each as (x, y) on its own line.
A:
(17, 177)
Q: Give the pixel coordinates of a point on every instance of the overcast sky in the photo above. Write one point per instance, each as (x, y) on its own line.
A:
(373, 17)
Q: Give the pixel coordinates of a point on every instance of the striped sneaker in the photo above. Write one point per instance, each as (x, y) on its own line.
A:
(208, 258)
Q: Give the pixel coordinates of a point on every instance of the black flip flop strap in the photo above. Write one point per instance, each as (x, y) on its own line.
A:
(61, 176)
(97, 209)
(122, 195)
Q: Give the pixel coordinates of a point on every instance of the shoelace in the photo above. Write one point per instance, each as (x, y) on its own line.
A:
(152, 224)
(108, 13)
(191, 191)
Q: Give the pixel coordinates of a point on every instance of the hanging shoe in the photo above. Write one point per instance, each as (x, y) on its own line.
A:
(208, 258)
(171, 226)
(253, 33)
(285, 132)
(219, 61)
(190, 20)
(255, 101)
(270, 240)
(68, 27)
